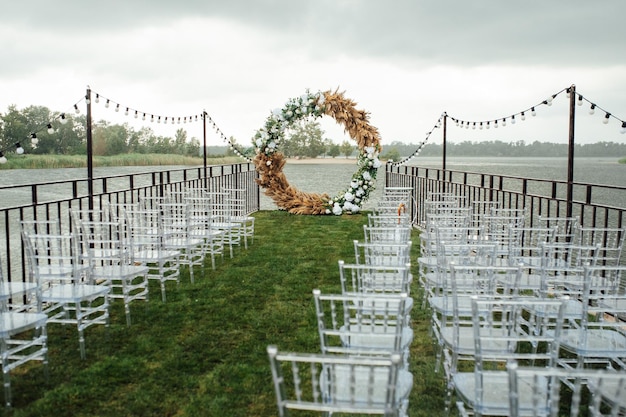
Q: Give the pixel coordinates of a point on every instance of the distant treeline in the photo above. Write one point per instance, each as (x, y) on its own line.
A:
(398, 150)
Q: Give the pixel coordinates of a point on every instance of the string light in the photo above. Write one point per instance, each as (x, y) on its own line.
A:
(18, 149)
(117, 108)
(76, 109)
(87, 100)
(623, 129)
(107, 103)
(33, 139)
(580, 100)
(3, 159)
(50, 128)
(606, 118)
(592, 109)
(63, 119)
(97, 98)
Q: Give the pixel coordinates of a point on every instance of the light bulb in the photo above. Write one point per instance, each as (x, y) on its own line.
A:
(107, 103)
(474, 125)
(488, 125)
(495, 124)
(512, 120)
(592, 109)
(143, 117)
(34, 141)
(87, 101)
(97, 98)
(3, 159)
(623, 129)
(63, 120)
(606, 118)
(523, 117)
(126, 112)
(117, 108)
(549, 101)
(580, 100)
(503, 122)
(18, 149)
(533, 112)
(76, 109)
(159, 119)
(481, 126)
(151, 118)
(136, 114)
(50, 129)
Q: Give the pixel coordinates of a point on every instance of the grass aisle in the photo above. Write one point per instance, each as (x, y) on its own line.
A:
(202, 353)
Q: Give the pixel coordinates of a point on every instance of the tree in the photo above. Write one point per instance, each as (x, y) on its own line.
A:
(346, 148)
(392, 154)
(305, 140)
(334, 150)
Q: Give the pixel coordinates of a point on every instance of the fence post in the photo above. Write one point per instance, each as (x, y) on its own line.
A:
(89, 150)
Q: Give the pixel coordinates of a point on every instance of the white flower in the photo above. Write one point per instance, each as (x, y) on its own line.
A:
(369, 149)
(321, 98)
(271, 145)
(327, 211)
(366, 176)
(370, 156)
(259, 142)
(354, 184)
(304, 110)
(337, 209)
(365, 187)
(289, 113)
(348, 196)
(277, 112)
(377, 163)
(268, 163)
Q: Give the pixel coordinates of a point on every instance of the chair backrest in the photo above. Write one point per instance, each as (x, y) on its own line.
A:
(610, 242)
(338, 383)
(387, 234)
(56, 259)
(389, 219)
(541, 388)
(565, 227)
(374, 279)
(398, 254)
(526, 244)
(360, 324)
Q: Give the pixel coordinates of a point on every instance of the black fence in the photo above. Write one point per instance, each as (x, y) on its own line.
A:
(54, 200)
(595, 205)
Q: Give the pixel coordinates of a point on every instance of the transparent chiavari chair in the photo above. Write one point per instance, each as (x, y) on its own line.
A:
(500, 227)
(609, 240)
(240, 214)
(67, 291)
(145, 238)
(23, 336)
(110, 257)
(202, 225)
(506, 331)
(178, 235)
(222, 216)
(339, 384)
(565, 227)
(363, 324)
(389, 219)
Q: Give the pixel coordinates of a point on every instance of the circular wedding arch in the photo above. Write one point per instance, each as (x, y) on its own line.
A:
(269, 161)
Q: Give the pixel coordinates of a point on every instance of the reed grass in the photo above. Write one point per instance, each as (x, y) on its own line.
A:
(202, 353)
(29, 161)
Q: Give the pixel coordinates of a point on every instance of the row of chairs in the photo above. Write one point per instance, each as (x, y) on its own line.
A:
(365, 332)
(514, 322)
(107, 254)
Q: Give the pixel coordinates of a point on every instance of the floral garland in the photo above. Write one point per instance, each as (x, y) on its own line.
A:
(269, 160)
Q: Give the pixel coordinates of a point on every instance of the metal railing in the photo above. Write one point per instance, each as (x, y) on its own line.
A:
(595, 205)
(55, 199)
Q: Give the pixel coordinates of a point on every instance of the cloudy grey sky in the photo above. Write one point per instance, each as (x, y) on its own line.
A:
(404, 61)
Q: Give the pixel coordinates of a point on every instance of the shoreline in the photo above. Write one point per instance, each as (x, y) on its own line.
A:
(322, 161)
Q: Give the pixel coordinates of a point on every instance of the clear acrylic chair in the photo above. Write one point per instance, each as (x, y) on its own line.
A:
(67, 290)
(339, 384)
(389, 219)
(371, 325)
(241, 214)
(609, 240)
(178, 235)
(223, 218)
(565, 227)
(506, 331)
(145, 238)
(23, 336)
(202, 225)
(111, 258)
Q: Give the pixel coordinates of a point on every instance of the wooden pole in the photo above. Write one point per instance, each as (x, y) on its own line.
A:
(89, 150)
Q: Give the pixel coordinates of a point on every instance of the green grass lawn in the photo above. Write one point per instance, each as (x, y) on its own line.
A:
(202, 353)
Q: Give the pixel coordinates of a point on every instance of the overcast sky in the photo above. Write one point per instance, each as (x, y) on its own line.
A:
(404, 61)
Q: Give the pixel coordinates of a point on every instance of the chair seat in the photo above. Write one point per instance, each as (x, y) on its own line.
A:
(10, 289)
(375, 337)
(73, 293)
(153, 256)
(16, 322)
(369, 390)
(597, 342)
(495, 399)
(119, 271)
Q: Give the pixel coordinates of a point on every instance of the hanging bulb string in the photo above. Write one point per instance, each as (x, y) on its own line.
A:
(502, 120)
(221, 134)
(593, 107)
(32, 136)
(136, 113)
(421, 145)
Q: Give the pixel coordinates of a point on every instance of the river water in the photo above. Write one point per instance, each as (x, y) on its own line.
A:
(334, 178)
